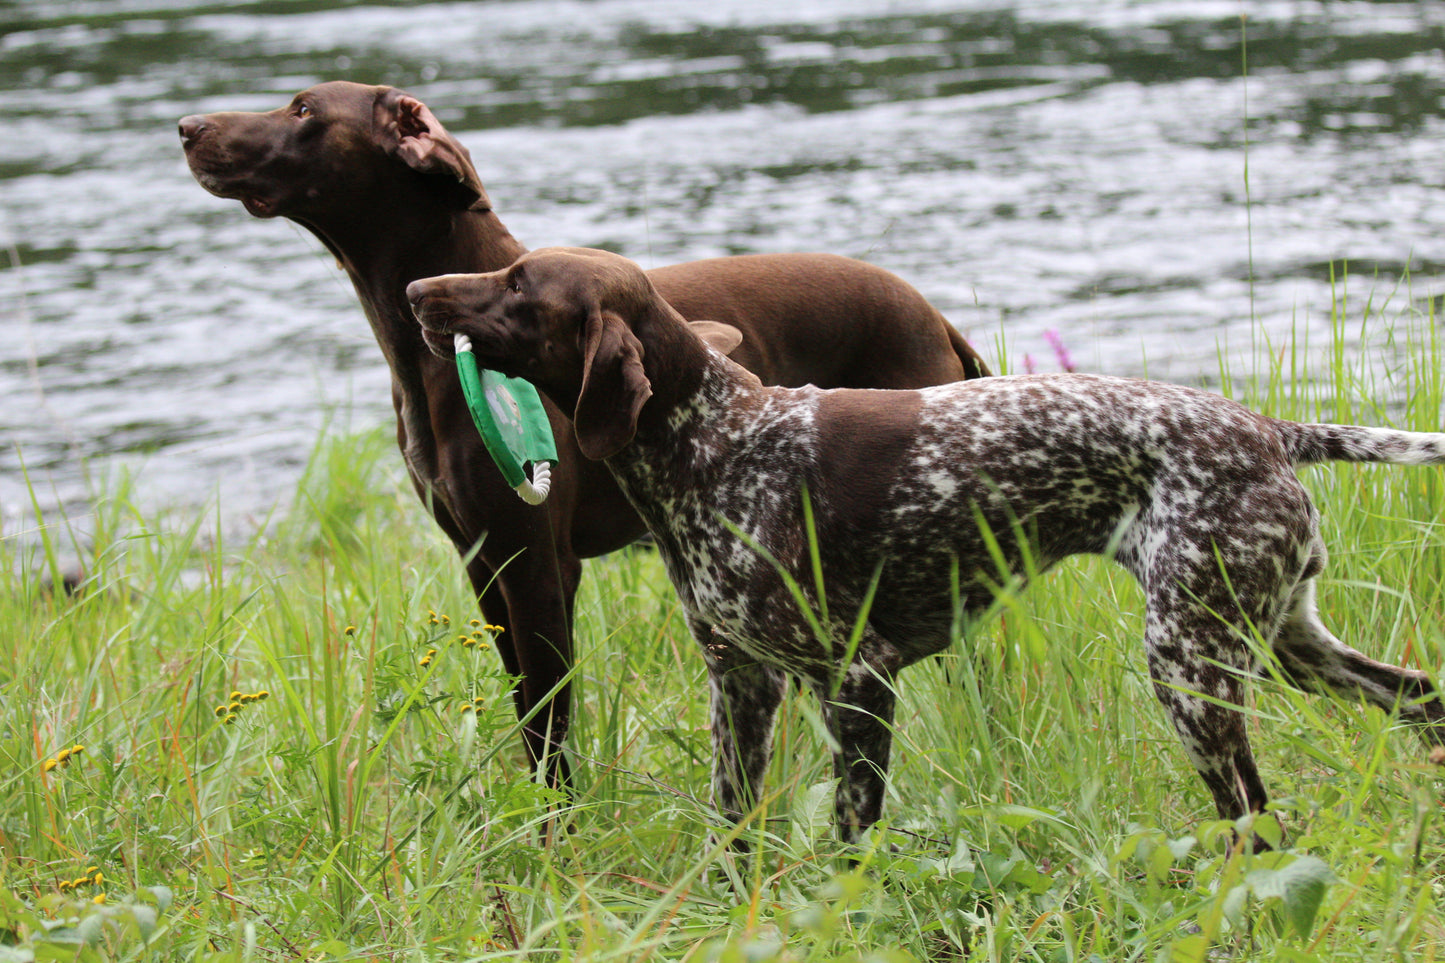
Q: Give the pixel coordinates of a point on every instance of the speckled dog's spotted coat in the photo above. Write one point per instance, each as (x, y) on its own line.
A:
(1193, 494)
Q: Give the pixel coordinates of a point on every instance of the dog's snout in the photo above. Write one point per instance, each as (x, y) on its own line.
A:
(416, 293)
(192, 127)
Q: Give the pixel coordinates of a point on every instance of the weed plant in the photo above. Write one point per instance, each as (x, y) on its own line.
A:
(375, 802)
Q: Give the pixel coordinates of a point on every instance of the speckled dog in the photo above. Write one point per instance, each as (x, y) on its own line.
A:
(1193, 494)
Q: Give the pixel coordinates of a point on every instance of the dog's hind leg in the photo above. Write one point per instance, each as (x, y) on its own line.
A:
(1192, 659)
(1312, 659)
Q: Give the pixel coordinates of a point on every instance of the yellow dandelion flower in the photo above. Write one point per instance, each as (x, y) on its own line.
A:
(432, 621)
(81, 881)
(98, 878)
(424, 661)
(63, 756)
(467, 707)
(463, 639)
(98, 899)
(66, 885)
(222, 709)
(263, 695)
(474, 623)
(350, 630)
(235, 694)
(479, 701)
(230, 718)
(495, 629)
(446, 619)
(234, 706)
(48, 765)
(77, 748)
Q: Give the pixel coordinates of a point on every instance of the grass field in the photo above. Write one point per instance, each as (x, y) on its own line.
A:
(374, 804)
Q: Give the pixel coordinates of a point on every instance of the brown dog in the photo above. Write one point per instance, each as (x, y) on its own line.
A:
(921, 502)
(371, 172)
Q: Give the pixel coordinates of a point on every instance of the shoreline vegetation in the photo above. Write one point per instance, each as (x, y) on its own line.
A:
(375, 805)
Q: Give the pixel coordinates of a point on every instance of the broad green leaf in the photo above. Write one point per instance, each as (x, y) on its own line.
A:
(1306, 880)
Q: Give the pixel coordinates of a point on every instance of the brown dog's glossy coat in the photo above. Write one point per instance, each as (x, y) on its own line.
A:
(371, 172)
(932, 497)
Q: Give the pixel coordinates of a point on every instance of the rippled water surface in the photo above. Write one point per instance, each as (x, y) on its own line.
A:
(1036, 167)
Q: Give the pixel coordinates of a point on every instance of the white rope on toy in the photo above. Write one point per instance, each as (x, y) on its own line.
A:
(535, 491)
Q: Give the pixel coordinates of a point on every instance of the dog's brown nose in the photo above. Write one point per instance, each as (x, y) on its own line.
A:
(191, 127)
(416, 292)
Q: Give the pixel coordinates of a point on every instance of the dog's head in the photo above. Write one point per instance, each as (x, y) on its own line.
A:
(337, 148)
(568, 320)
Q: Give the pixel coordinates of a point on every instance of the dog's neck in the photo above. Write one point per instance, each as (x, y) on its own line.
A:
(381, 264)
(695, 390)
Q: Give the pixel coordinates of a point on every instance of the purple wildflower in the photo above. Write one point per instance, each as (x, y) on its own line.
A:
(1060, 352)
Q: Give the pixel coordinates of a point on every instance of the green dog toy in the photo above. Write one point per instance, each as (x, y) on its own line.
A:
(509, 414)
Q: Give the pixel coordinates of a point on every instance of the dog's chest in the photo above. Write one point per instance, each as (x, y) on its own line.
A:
(722, 496)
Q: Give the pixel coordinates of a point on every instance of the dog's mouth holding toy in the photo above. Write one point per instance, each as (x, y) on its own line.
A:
(441, 344)
(439, 319)
(507, 412)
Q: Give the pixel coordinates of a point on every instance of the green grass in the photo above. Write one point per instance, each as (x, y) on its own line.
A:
(1040, 806)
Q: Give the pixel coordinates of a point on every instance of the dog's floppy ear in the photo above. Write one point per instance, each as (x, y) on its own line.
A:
(406, 128)
(717, 335)
(614, 386)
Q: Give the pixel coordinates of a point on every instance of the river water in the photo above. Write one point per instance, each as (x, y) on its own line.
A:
(1041, 170)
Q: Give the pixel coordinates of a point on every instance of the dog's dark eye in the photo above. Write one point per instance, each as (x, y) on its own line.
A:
(303, 110)
(514, 284)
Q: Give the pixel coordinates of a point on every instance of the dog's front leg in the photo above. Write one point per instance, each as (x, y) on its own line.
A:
(860, 719)
(745, 695)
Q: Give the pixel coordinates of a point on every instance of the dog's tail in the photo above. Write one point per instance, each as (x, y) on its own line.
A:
(973, 364)
(1308, 444)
